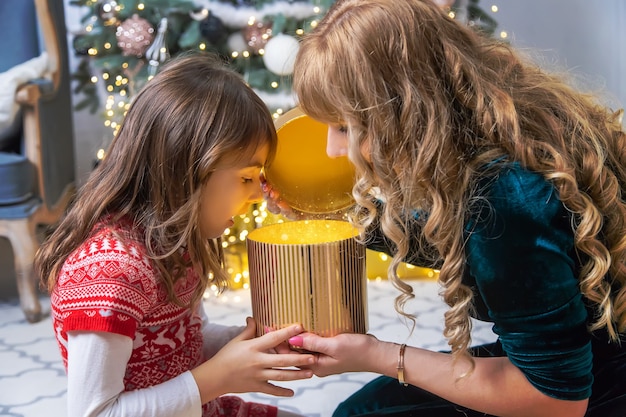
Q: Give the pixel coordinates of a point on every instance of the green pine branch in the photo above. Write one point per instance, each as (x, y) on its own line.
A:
(183, 34)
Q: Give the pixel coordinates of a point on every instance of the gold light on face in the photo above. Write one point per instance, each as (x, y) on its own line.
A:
(310, 272)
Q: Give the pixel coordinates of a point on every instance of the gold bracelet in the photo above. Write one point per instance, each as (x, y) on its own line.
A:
(401, 365)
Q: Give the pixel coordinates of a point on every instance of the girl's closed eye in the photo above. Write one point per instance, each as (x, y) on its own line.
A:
(343, 129)
(251, 174)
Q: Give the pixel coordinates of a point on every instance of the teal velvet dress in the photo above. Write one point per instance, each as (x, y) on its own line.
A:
(523, 269)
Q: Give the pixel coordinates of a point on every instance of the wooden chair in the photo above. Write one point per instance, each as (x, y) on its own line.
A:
(37, 173)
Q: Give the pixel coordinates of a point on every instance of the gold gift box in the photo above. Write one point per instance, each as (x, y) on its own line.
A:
(310, 272)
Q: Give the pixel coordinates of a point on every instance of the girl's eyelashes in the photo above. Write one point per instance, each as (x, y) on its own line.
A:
(343, 129)
(251, 174)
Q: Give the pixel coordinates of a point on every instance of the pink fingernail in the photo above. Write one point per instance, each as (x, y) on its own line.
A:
(296, 341)
(267, 329)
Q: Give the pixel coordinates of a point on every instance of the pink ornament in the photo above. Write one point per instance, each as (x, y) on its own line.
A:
(134, 36)
(257, 35)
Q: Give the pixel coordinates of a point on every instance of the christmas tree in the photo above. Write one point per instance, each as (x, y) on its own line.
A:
(125, 41)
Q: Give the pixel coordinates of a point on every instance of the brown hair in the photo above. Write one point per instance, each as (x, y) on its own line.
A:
(436, 101)
(192, 117)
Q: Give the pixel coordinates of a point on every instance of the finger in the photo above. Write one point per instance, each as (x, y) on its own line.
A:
(287, 210)
(275, 390)
(309, 341)
(282, 349)
(291, 359)
(249, 332)
(273, 339)
(272, 206)
(288, 374)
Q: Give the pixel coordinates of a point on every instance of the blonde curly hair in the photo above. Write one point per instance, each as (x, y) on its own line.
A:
(435, 101)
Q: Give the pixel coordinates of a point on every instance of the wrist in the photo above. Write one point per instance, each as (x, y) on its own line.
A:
(400, 366)
(385, 361)
(208, 387)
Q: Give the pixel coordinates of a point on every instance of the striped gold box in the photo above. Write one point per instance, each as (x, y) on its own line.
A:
(310, 272)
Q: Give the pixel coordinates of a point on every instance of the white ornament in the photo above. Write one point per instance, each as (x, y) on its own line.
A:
(280, 54)
(236, 42)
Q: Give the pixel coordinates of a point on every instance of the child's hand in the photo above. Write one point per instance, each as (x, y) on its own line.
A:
(245, 364)
(277, 205)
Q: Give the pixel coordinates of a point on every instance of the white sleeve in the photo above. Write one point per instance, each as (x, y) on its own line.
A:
(215, 336)
(96, 364)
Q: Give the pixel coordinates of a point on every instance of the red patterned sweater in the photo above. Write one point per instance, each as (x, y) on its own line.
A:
(108, 284)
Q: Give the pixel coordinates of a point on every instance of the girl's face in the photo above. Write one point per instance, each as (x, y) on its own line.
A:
(337, 143)
(229, 192)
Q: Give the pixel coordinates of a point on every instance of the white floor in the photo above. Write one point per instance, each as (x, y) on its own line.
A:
(33, 384)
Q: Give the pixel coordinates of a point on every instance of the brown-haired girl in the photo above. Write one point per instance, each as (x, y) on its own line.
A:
(502, 176)
(129, 263)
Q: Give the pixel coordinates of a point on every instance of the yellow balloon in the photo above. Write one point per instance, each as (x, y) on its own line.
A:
(302, 173)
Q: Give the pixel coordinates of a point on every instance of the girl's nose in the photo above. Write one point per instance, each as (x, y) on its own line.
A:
(336, 143)
(257, 194)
